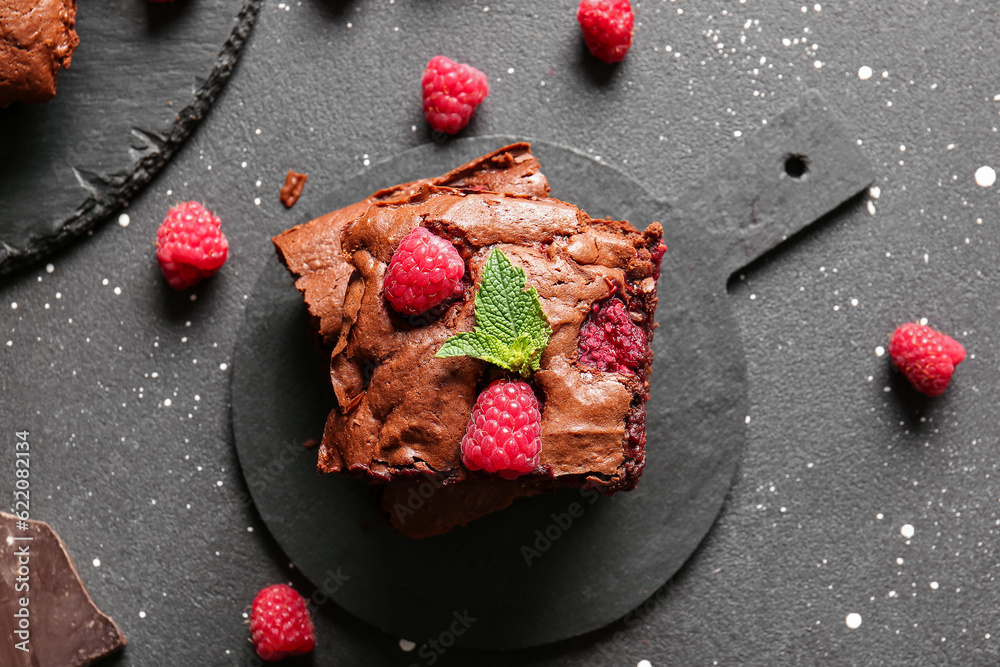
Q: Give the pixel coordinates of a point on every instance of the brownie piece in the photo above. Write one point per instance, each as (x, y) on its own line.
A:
(402, 412)
(36, 41)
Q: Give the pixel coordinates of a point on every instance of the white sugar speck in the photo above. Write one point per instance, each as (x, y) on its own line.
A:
(97, 563)
(166, 402)
(986, 177)
(13, 305)
(124, 220)
(853, 621)
(644, 663)
(256, 201)
(219, 483)
(871, 208)
(49, 268)
(737, 133)
(906, 531)
(118, 290)
(865, 72)
(142, 614)
(747, 420)
(407, 645)
(223, 366)
(879, 351)
(934, 585)
(854, 302)
(817, 64)
(875, 192)
(879, 516)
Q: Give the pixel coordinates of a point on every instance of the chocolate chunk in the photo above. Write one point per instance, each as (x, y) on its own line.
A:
(292, 190)
(44, 608)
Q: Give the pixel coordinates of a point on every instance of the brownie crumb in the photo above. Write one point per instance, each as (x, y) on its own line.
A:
(292, 189)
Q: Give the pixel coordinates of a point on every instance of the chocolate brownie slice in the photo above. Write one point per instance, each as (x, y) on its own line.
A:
(402, 412)
(37, 39)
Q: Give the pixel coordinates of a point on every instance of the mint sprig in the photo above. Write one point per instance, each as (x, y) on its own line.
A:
(511, 327)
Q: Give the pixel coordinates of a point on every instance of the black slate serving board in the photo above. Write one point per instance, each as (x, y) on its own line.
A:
(144, 75)
(557, 566)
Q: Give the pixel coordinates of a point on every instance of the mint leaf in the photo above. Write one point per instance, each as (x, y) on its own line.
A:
(511, 327)
(475, 344)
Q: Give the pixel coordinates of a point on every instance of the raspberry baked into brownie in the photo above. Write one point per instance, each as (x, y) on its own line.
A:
(486, 341)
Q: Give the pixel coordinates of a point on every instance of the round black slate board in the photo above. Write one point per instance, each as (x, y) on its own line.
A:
(549, 567)
(142, 78)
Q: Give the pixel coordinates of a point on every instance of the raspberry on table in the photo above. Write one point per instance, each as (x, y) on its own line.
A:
(927, 358)
(190, 245)
(280, 625)
(452, 91)
(424, 271)
(504, 432)
(610, 341)
(607, 27)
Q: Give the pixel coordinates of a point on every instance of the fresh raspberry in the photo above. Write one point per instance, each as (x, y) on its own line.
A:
(424, 271)
(926, 357)
(610, 341)
(607, 27)
(190, 245)
(280, 625)
(504, 431)
(452, 91)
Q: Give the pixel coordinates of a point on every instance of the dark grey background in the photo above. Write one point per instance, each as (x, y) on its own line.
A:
(154, 491)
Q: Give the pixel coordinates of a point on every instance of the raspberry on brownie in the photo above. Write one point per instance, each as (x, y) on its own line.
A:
(401, 425)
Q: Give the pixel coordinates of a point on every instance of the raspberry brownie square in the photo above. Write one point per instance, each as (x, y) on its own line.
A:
(404, 402)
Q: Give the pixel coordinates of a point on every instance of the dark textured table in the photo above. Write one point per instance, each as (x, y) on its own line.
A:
(853, 495)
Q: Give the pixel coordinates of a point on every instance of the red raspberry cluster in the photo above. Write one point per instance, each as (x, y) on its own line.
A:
(280, 625)
(926, 357)
(504, 432)
(610, 341)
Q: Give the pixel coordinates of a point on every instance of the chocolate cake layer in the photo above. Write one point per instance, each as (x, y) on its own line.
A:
(401, 411)
(37, 38)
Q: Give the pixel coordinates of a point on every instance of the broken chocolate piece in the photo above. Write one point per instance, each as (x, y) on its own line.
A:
(45, 610)
(292, 189)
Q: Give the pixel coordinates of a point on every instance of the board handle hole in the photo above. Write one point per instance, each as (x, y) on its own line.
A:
(796, 165)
